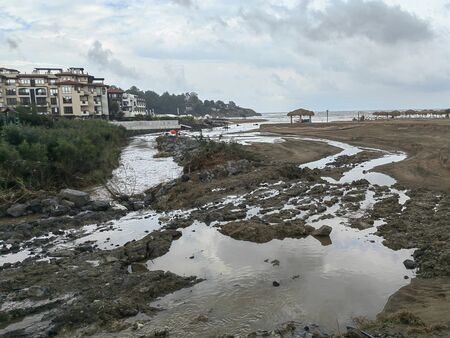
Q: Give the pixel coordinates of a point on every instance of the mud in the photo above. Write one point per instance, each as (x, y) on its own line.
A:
(80, 292)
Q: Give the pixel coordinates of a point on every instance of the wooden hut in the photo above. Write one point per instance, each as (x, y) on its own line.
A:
(301, 113)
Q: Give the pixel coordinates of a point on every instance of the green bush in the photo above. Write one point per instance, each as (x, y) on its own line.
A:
(47, 154)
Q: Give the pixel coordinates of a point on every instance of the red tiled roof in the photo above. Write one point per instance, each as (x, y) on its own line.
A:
(115, 91)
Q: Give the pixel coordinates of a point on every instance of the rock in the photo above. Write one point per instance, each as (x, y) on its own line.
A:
(149, 199)
(138, 268)
(409, 264)
(138, 205)
(185, 178)
(80, 198)
(324, 230)
(275, 262)
(201, 318)
(35, 206)
(17, 210)
(68, 204)
(321, 208)
(47, 202)
(275, 283)
(57, 210)
(100, 205)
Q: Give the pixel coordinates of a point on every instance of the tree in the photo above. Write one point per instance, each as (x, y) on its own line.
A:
(114, 111)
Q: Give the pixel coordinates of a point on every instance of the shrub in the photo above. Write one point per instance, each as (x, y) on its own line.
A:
(48, 155)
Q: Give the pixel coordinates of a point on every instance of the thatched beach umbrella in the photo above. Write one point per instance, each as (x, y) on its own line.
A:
(381, 113)
(300, 112)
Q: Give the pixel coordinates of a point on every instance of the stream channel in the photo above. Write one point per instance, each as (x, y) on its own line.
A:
(321, 282)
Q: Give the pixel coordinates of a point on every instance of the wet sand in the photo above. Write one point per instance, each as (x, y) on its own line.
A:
(420, 309)
(426, 142)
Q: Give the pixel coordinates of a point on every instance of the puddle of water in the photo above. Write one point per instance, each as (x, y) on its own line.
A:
(338, 281)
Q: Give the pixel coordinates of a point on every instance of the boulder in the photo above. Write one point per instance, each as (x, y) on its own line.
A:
(35, 205)
(80, 198)
(17, 210)
(100, 205)
(409, 264)
(324, 230)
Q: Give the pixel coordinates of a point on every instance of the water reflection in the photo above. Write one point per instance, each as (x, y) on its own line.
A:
(348, 278)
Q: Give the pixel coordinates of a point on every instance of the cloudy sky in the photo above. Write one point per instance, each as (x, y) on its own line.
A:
(272, 55)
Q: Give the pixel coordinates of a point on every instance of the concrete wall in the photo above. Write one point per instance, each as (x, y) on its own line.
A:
(149, 125)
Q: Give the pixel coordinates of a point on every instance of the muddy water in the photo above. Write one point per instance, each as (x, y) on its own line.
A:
(320, 283)
(325, 282)
(138, 169)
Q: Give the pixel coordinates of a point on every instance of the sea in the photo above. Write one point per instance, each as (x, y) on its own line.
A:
(319, 117)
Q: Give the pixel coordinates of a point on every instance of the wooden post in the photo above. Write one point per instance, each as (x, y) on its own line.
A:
(291, 119)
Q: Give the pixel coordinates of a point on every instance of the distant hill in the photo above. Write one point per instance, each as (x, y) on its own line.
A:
(190, 103)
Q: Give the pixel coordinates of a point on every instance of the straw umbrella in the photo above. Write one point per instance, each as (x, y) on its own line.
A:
(300, 112)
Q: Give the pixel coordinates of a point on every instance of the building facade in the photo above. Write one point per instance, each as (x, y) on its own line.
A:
(54, 91)
(128, 104)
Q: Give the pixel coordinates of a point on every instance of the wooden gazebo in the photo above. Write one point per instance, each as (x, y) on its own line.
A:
(300, 113)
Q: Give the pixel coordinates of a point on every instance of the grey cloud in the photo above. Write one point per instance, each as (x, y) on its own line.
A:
(373, 20)
(104, 58)
(12, 44)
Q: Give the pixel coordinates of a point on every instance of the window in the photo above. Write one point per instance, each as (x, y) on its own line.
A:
(52, 81)
(41, 109)
(10, 81)
(39, 81)
(67, 89)
(24, 81)
(68, 110)
(25, 101)
(53, 101)
(11, 102)
(11, 91)
(41, 91)
(41, 101)
(67, 99)
(24, 91)
(53, 91)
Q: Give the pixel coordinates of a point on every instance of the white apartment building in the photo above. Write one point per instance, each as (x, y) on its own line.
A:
(129, 104)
